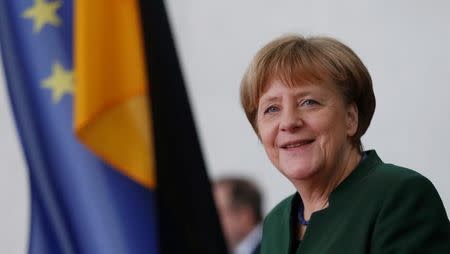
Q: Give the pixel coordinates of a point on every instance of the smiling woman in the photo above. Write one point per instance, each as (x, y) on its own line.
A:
(310, 100)
(302, 131)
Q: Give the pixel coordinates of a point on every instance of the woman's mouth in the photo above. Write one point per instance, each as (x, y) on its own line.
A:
(295, 144)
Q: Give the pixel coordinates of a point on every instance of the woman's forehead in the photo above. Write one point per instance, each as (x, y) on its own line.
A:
(299, 89)
(276, 89)
(292, 82)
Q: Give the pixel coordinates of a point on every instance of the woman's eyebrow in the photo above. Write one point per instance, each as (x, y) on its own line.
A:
(266, 99)
(272, 98)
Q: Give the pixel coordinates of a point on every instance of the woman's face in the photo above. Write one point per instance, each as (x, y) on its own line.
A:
(306, 129)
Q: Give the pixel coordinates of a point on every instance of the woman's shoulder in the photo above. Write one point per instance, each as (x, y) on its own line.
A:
(282, 209)
(408, 201)
(375, 183)
(399, 183)
(386, 174)
(393, 175)
(276, 229)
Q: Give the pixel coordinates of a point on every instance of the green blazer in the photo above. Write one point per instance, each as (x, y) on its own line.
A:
(379, 208)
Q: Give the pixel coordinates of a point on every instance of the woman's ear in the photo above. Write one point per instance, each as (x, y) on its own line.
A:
(352, 119)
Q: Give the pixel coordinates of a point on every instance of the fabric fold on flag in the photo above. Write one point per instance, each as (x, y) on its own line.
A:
(111, 103)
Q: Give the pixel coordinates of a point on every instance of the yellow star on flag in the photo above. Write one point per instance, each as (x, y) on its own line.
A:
(60, 82)
(43, 13)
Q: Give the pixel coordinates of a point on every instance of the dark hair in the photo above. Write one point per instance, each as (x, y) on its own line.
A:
(243, 193)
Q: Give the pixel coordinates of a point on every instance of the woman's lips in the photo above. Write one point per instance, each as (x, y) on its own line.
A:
(291, 145)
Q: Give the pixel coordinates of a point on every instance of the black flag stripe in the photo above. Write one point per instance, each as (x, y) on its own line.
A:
(188, 221)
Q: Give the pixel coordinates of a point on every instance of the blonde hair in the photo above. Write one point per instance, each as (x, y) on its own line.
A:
(294, 59)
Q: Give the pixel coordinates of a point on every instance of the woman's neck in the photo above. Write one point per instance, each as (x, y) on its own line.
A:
(315, 192)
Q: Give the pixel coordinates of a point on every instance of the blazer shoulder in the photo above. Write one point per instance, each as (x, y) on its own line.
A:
(281, 209)
(412, 217)
(394, 175)
(276, 228)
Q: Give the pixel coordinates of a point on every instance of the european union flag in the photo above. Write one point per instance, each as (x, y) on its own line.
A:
(79, 203)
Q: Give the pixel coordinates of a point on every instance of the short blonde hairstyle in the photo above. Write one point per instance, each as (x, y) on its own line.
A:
(294, 60)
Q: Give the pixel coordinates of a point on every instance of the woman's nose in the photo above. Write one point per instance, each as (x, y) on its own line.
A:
(290, 120)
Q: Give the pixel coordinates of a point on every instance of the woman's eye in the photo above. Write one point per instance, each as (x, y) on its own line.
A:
(271, 109)
(308, 102)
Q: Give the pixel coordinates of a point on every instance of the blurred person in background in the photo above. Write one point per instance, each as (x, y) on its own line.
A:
(239, 204)
(310, 100)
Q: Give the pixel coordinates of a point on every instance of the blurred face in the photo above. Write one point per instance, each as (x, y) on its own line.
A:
(236, 223)
(306, 129)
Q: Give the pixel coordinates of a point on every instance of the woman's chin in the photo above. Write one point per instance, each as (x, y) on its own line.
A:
(298, 173)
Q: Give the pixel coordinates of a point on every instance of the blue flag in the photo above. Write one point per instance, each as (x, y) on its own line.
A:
(79, 203)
